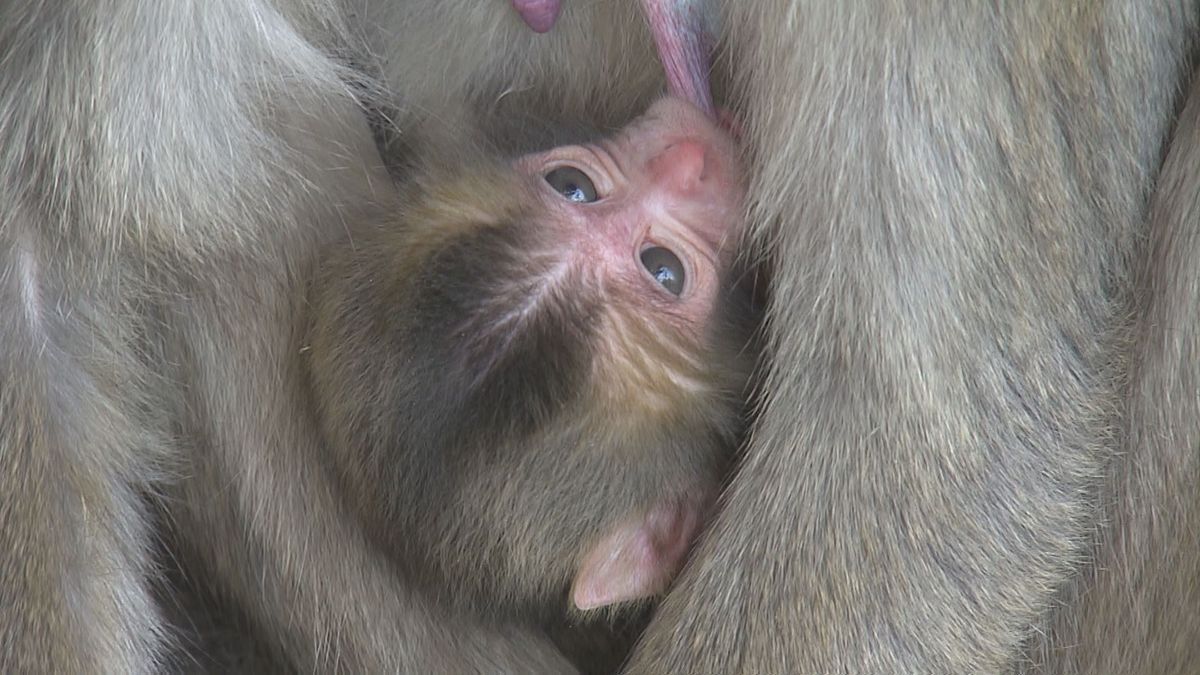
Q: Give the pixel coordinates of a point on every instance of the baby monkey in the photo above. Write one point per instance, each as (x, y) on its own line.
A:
(534, 375)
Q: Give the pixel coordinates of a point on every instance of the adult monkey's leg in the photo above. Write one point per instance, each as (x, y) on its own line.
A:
(168, 171)
(951, 196)
(1135, 608)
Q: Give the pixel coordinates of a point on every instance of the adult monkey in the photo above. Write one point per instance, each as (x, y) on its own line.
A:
(1143, 587)
(936, 459)
(954, 196)
(170, 174)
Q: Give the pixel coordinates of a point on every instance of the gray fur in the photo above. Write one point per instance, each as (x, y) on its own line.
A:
(966, 188)
(977, 448)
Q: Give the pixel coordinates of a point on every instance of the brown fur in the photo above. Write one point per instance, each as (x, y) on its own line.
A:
(961, 191)
(954, 201)
(491, 454)
(1144, 584)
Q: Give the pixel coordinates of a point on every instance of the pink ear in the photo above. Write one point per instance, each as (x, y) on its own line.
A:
(639, 558)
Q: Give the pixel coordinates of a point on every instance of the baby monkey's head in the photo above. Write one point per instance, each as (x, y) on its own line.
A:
(554, 354)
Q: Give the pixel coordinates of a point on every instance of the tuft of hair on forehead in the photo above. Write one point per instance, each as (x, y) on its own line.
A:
(449, 201)
(525, 327)
(495, 295)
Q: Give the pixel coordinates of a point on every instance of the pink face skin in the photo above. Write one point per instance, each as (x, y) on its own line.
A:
(671, 180)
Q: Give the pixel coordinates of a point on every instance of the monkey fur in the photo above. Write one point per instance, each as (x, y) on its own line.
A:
(489, 450)
(975, 450)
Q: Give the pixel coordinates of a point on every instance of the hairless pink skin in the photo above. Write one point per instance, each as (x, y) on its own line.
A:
(639, 558)
(670, 179)
(539, 15)
(680, 33)
(684, 46)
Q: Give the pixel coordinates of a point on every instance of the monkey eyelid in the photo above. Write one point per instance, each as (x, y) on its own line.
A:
(602, 193)
(597, 160)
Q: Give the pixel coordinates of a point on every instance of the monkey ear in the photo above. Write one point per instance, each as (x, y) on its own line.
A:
(637, 559)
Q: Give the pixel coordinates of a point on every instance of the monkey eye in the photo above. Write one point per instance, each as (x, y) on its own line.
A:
(572, 184)
(665, 267)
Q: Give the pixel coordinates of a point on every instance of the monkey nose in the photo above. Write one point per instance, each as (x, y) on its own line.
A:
(680, 166)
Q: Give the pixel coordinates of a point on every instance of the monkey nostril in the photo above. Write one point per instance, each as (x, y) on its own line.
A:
(730, 123)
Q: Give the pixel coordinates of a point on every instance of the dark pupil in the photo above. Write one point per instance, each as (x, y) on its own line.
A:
(665, 267)
(572, 184)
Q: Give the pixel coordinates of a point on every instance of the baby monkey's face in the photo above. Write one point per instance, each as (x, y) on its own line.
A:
(542, 365)
(651, 211)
